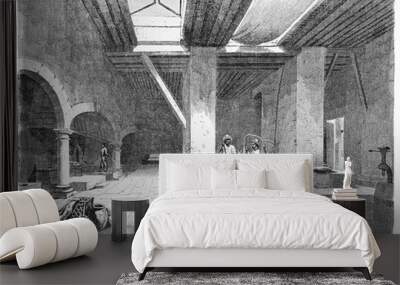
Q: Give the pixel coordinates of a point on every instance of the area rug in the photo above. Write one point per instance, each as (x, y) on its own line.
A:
(243, 278)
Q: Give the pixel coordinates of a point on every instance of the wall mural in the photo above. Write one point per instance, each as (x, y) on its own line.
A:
(94, 116)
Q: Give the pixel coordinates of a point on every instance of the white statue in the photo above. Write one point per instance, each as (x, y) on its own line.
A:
(347, 174)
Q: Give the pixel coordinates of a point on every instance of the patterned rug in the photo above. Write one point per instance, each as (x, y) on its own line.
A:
(243, 278)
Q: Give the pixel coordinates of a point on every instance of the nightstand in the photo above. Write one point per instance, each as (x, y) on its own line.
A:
(357, 205)
(118, 207)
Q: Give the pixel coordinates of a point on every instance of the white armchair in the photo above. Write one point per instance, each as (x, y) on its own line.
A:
(31, 230)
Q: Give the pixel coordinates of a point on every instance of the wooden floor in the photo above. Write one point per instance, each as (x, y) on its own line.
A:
(110, 260)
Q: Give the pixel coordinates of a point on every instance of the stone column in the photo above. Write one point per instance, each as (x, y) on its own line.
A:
(310, 102)
(63, 189)
(201, 88)
(117, 160)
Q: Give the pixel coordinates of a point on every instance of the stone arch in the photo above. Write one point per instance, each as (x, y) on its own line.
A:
(83, 108)
(94, 124)
(78, 109)
(125, 132)
(50, 93)
(37, 70)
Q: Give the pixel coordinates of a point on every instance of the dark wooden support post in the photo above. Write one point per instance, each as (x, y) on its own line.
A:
(164, 89)
(331, 66)
(363, 98)
(278, 92)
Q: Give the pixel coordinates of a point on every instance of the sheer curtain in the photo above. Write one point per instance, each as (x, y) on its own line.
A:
(8, 98)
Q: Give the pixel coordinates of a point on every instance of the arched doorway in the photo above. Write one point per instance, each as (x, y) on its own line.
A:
(91, 130)
(40, 114)
(129, 154)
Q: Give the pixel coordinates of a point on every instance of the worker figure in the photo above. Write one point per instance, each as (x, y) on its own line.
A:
(103, 158)
(227, 146)
(255, 147)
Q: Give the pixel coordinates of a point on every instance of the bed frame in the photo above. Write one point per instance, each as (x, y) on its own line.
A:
(241, 259)
(249, 259)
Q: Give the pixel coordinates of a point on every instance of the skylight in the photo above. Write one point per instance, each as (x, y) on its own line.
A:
(157, 22)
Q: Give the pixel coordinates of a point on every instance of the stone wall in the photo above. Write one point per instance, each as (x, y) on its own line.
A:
(237, 117)
(157, 130)
(61, 35)
(37, 148)
(285, 133)
(365, 129)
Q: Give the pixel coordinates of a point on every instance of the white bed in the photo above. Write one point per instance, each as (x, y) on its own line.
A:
(248, 227)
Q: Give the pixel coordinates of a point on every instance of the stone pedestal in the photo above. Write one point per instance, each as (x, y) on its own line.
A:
(199, 93)
(63, 189)
(310, 102)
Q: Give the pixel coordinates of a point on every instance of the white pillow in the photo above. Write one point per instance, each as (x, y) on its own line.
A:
(282, 174)
(223, 179)
(182, 177)
(251, 178)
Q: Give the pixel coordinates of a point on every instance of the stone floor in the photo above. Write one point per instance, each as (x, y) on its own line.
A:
(143, 184)
(140, 184)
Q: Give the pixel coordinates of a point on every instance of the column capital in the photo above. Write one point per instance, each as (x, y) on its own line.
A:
(63, 133)
(117, 146)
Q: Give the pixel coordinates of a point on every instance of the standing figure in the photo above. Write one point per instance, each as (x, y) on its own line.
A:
(103, 158)
(227, 146)
(347, 174)
(255, 147)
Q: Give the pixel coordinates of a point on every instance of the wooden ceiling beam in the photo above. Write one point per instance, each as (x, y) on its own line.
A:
(94, 15)
(229, 14)
(235, 84)
(373, 35)
(106, 17)
(252, 83)
(116, 22)
(217, 25)
(232, 77)
(188, 20)
(346, 24)
(313, 18)
(165, 91)
(127, 21)
(353, 25)
(212, 23)
(211, 19)
(241, 7)
(199, 22)
(113, 23)
(327, 24)
(367, 30)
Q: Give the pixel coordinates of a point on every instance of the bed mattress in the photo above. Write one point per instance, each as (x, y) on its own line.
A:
(250, 219)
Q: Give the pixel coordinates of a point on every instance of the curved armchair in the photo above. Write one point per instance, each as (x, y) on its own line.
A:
(31, 231)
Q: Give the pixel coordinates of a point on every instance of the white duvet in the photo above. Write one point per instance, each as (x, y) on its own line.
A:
(255, 218)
